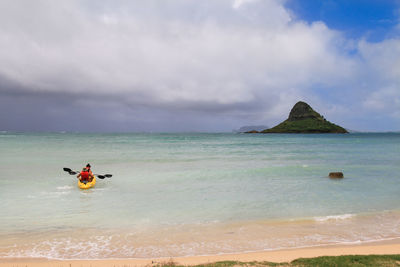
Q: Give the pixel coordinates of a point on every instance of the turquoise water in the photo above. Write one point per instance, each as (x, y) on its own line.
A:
(177, 194)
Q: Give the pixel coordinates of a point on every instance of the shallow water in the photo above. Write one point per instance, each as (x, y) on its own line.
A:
(192, 194)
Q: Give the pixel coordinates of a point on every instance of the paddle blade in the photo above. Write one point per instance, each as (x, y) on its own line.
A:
(101, 176)
(67, 169)
(108, 175)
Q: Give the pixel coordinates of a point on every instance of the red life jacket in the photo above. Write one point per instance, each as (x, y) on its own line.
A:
(85, 176)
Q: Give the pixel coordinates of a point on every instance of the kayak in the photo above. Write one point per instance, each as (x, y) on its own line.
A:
(87, 185)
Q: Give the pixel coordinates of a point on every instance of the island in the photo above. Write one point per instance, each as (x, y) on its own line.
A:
(303, 119)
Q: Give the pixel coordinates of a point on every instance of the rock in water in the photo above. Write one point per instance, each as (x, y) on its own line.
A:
(303, 119)
(336, 175)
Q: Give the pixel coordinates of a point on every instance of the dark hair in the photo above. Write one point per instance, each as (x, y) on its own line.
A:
(88, 165)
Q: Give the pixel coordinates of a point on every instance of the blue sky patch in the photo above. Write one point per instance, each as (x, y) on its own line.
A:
(370, 19)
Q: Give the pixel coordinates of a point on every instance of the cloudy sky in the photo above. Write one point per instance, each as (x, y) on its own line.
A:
(197, 65)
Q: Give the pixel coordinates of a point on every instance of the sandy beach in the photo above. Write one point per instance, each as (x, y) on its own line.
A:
(387, 247)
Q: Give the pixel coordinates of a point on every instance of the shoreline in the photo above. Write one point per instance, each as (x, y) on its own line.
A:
(284, 255)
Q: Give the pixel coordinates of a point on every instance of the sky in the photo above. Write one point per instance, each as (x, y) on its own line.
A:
(197, 65)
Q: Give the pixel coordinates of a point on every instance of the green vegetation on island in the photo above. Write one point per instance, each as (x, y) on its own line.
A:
(303, 119)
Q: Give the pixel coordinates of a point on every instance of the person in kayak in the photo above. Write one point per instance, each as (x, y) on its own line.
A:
(85, 176)
(89, 170)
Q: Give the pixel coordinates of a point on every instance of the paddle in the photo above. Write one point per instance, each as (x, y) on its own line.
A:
(103, 176)
(70, 171)
(67, 170)
(97, 175)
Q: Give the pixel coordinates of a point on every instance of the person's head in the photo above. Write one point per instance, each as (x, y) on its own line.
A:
(88, 166)
(84, 169)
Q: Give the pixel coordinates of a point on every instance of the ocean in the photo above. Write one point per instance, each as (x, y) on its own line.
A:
(195, 193)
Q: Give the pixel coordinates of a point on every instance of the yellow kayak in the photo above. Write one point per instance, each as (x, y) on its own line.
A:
(87, 185)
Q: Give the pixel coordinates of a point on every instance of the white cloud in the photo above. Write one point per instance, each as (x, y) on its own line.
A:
(238, 3)
(387, 98)
(382, 67)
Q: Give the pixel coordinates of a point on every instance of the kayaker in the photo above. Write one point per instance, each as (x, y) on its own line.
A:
(85, 176)
(89, 170)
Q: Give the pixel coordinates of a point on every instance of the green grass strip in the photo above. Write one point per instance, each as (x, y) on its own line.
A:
(326, 261)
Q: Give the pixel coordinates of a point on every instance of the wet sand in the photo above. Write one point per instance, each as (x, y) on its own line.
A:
(387, 247)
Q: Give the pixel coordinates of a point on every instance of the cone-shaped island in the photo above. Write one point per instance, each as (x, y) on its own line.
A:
(303, 119)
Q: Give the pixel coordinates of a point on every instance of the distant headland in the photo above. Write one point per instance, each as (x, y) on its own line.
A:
(245, 129)
(303, 119)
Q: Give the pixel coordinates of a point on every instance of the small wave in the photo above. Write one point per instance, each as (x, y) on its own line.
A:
(334, 217)
(66, 248)
(66, 187)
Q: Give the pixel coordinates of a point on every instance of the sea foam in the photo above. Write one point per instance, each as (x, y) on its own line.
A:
(334, 217)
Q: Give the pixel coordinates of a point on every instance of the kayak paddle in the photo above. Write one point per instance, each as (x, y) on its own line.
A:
(70, 171)
(97, 175)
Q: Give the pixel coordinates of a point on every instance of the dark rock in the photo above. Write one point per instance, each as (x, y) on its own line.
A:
(336, 175)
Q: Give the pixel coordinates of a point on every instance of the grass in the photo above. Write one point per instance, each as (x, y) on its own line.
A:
(326, 261)
(352, 260)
